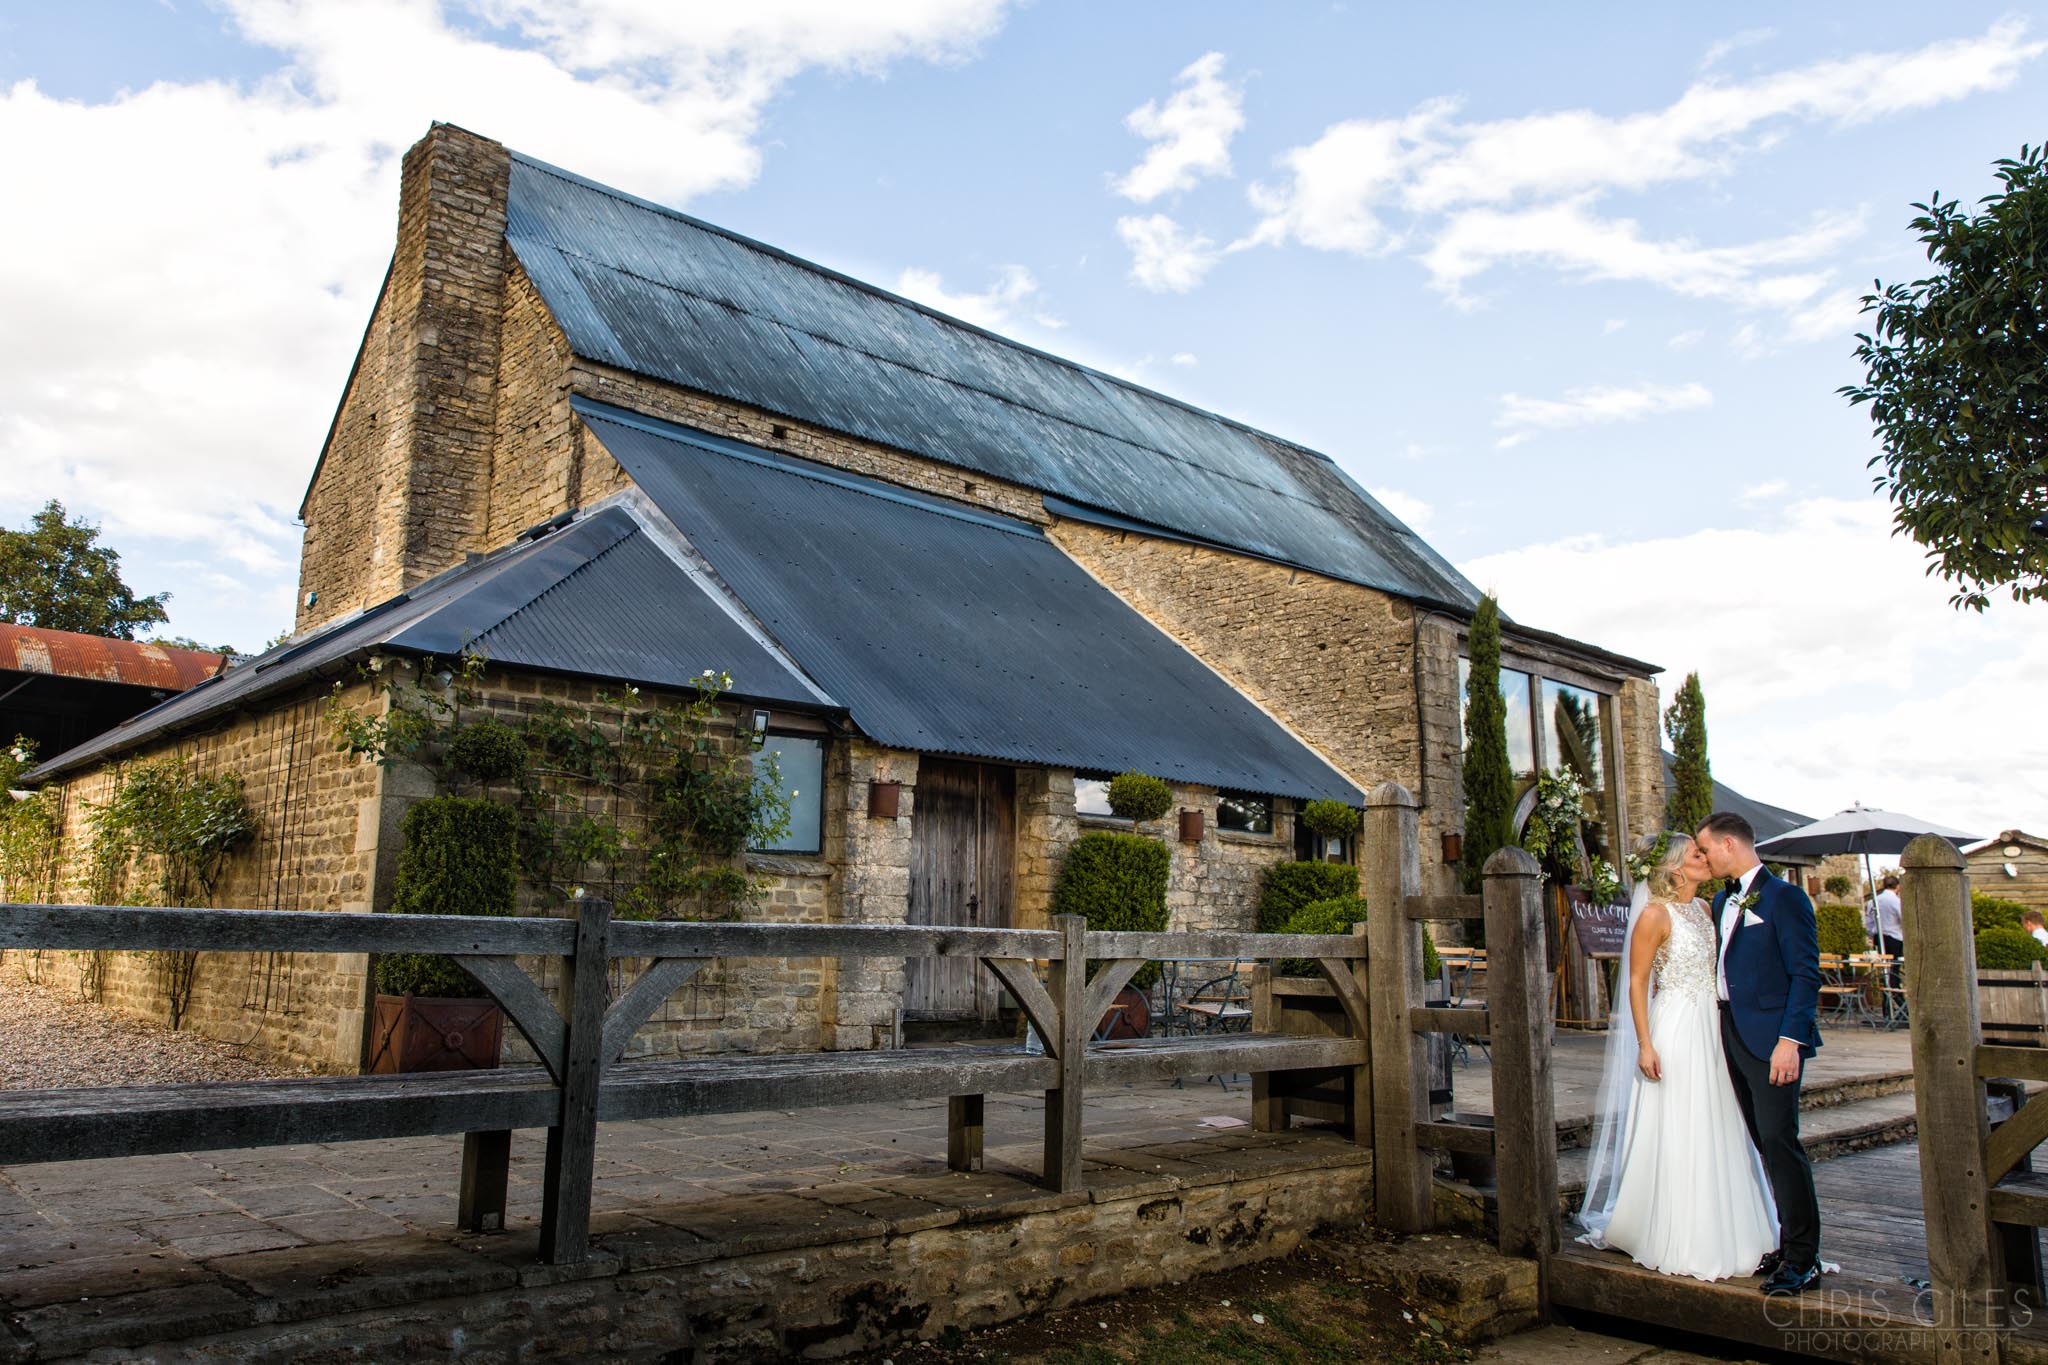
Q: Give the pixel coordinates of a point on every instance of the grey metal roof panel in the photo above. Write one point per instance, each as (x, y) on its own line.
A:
(1768, 821)
(657, 292)
(599, 598)
(949, 629)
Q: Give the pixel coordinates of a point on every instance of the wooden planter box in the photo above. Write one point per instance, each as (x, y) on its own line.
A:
(432, 1033)
(2013, 1005)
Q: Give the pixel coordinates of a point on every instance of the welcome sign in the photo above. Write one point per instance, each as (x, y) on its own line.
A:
(1601, 929)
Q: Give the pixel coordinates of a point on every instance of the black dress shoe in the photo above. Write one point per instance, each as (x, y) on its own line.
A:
(1768, 1266)
(1787, 1279)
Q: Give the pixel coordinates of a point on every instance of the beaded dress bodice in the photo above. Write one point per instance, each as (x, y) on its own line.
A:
(1686, 961)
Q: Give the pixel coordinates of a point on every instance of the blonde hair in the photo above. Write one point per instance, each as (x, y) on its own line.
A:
(1663, 876)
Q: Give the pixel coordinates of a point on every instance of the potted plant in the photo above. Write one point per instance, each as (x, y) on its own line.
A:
(1332, 822)
(460, 857)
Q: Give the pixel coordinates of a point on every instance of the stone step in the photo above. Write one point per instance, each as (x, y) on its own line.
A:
(1829, 1130)
(1576, 1131)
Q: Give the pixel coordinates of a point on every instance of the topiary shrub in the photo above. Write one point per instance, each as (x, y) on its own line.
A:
(1841, 929)
(1990, 912)
(1336, 916)
(460, 857)
(488, 751)
(1838, 886)
(1290, 886)
(2001, 949)
(1117, 882)
(1139, 796)
(1331, 819)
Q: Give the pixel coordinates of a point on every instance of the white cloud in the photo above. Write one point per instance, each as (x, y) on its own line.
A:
(1185, 359)
(1570, 239)
(1735, 42)
(1860, 699)
(1765, 491)
(1190, 133)
(185, 299)
(1409, 508)
(1165, 257)
(1691, 336)
(993, 308)
(1338, 184)
(1530, 190)
(1594, 405)
(1612, 325)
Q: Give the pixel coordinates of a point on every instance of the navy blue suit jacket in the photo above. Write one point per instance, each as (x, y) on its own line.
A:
(1774, 967)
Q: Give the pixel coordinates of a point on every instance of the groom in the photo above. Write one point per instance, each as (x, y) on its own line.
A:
(1768, 978)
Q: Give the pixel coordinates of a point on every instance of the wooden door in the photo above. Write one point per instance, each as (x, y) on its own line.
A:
(963, 830)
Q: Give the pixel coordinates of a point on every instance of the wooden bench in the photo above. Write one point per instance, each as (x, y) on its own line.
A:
(580, 1081)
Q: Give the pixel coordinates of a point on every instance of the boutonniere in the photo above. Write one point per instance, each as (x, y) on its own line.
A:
(1748, 903)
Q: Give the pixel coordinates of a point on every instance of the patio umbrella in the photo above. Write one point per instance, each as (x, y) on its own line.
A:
(1860, 829)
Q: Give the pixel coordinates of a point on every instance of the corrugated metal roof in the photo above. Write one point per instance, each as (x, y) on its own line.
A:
(132, 663)
(949, 629)
(654, 291)
(602, 597)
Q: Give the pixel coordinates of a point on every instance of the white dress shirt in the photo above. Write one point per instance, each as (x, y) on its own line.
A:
(1728, 923)
(1888, 923)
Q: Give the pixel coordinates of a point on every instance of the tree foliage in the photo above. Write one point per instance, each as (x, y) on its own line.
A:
(1489, 779)
(1692, 786)
(1957, 384)
(54, 574)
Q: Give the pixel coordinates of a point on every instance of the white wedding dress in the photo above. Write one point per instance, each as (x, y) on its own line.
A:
(1688, 1192)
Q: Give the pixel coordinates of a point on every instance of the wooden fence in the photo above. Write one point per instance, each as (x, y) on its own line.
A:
(1365, 1049)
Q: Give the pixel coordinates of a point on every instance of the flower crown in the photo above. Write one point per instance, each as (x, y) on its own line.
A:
(1641, 863)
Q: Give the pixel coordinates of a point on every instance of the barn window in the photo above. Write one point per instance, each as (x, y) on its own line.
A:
(1244, 813)
(1091, 795)
(800, 773)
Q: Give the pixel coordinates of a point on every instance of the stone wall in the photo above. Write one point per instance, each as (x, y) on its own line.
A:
(1641, 725)
(405, 482)
(315, 849)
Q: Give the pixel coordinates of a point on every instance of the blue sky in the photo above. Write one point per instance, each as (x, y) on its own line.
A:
(1571, 294)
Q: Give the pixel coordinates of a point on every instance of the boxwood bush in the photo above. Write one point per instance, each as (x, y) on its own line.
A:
(1290, 886)
(1336, 916)
(460, 857)
(1117, 882)
(1990, 912)
(1139, 796)
(1841, 929)
(2005, 949)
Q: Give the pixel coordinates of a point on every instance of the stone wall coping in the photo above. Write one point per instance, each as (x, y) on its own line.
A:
(299, 1284)
(787, 865)
(1231, 836)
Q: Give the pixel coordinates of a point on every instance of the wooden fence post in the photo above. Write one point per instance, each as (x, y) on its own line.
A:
(1941, 980)
(572, 1141)
(1518, 1011)
(1402, 1175)
(1069, 973)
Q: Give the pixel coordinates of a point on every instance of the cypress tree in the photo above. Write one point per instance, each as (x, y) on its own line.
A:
(1692, 786)
(1489, 780)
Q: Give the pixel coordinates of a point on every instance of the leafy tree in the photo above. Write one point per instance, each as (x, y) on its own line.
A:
(1692, 787)
(1957, 385)
(54, 574)
(187, 642)
(1489, 778)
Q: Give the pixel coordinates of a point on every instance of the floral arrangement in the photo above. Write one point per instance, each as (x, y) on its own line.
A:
(1641, 863)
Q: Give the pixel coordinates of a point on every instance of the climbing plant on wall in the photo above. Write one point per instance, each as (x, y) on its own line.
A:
(163, 836)
(650, 804)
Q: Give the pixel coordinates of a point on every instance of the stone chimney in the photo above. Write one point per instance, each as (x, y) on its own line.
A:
(446, 296)
(403, 486)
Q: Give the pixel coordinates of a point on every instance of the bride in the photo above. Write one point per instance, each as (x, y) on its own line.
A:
(1673, 1179)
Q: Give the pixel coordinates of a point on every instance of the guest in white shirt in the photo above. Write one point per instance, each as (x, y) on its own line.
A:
(1881, 918)
(2036, 924)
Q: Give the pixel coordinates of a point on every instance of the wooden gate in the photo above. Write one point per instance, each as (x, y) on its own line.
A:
(963, 832)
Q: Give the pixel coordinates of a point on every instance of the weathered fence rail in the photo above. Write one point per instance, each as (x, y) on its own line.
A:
(579, 1040)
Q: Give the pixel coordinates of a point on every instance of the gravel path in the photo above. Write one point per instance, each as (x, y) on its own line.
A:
(48, 1037)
